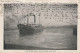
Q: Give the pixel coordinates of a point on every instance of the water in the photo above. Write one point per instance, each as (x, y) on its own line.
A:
(55, 38)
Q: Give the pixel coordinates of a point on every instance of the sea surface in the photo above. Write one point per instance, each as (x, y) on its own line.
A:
(54, 38)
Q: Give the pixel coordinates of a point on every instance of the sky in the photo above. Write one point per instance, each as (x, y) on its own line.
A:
(46, 14)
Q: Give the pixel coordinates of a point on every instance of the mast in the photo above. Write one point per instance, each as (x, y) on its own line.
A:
(34, 19)
(39, 18)
(27, 20)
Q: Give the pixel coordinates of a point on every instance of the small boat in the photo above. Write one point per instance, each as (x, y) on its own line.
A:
(25, 29)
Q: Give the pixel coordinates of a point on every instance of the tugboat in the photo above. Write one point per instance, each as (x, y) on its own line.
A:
(27, 29)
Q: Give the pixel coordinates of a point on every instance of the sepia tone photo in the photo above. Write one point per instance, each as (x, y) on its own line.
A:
(40, 26)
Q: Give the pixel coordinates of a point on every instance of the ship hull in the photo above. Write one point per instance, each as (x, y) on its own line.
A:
(27, 30)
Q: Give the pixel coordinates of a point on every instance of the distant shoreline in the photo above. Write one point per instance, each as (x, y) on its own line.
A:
(74, 26)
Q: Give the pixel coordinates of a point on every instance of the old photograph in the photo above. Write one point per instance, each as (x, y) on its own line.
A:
(40, 26)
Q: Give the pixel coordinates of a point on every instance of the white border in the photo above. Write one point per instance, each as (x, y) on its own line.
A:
(36, 51)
